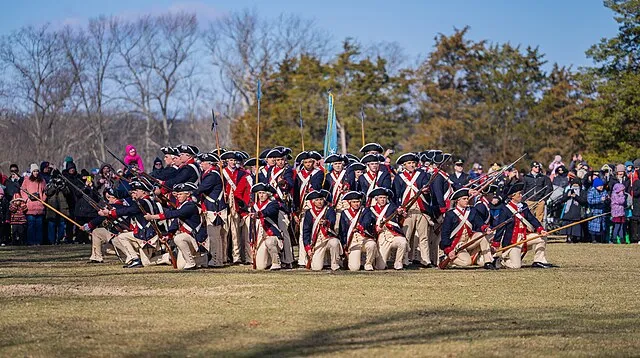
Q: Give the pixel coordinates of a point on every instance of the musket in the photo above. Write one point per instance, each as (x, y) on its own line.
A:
(495, 175)
(549, 232)
(252, 220)
(362, 124)
(301, 129)
(444, 263)
(52, 208)
(93, 203)
(138, 174)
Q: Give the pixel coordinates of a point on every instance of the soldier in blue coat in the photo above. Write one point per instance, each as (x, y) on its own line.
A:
(357, 234)
(141, 245)
(187, 172)
(459, 178)
(210, 193)
(389, 231)
(373, 177)
(308, 178)
(266, 237)
(523, 226)
(317, 232)
(462, 224)
(186, 228)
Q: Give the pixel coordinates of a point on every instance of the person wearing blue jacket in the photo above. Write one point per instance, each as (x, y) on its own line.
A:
(317, 232)
(357, 234)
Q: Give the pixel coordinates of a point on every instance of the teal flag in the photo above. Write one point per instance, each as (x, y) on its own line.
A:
(331, 134)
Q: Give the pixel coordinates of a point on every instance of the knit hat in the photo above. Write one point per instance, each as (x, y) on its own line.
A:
(43, 165)
(620, 168)
(628, 163)
(557, 158)
(33, 167)
(597, 182)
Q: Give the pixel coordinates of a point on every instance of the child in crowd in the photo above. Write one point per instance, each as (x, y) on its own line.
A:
(18, 209)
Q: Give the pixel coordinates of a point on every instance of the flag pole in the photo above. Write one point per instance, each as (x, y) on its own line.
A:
(301, 129)
(362, 123)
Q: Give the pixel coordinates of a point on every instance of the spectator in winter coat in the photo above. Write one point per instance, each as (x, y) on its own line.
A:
(71, 173)
(5, 229)
(157, 168)
(598, 200)
(13, 184)
(620, 177)
(537, 185)
(133, 157)
(574, 200)
(557, 162)
(618, 205)
(45, 171)
(84, 211)
(57, 192)
(34, 185)
(634, 225)
(18, 211)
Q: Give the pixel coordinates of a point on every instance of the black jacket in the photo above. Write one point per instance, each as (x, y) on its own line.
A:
(540, 182)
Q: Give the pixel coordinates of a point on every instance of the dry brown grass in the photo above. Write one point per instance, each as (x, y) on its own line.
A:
(53, 304)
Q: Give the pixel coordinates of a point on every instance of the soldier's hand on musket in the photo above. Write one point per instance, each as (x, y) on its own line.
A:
(543, 233)
(151, 217)
(157, 191)
(452, 255)
(253, 215)
(488, 231)
(379, 228)
(402, 211)
(103, 212)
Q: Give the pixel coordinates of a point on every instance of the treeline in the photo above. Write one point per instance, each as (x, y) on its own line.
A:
(154, 80)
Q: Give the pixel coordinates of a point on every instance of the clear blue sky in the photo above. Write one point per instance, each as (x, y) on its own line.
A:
(563, 29)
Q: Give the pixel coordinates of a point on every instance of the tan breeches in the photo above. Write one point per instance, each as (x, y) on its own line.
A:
(388, 241)
(188, 255)
(371, 253)
(324, 245)
(268, 253)
(512, 258)
(100, 238)
(481, 246)
(416, 229)
(133, 249)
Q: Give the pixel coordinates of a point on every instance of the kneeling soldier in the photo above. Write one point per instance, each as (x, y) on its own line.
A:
(356, 233)
(461, 225)
(390, 235)
(186, 228)
(263, 230)
(524, 226)
(104, 230)
(317, 232)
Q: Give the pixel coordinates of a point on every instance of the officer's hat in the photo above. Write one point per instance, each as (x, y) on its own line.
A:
(317, 194)
(491, 189)
(251, 162)
(188, 149)
(170, 150)
(112, 192)
(262, 187)
(352, 158)
(407, 157)
(536, 164)
(242, 154)
(353, 195)
(459, 162)
(515, 188)
(333, 158)
(440, 157)
(263, 154)
(302, 156)
(275, 153)
(208, 157)
(315, 155)
(286, 152)
(381, 191)
(139, 185)
(460, 193)
(230, 155)
(184, 187)
(371, 158)
(357, 166)
(372, 147)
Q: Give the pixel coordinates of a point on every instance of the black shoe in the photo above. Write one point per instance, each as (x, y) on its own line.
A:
(287, 266)
(541, 265)
(134, 264)
(489, 266)
(191, 268)
(94, 262)
(427, 266)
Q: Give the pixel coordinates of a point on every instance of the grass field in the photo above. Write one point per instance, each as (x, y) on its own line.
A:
(53, 304)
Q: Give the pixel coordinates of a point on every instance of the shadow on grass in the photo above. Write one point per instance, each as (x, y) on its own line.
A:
(457, 326)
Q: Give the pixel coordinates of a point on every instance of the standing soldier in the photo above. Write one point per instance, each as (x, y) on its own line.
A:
(187, 172)
(308, 179)
(231, 177)
(523, 226)
(214, 208)
(390, 236)
(406, 185)
(268, 238)
(539, 185)
(336, 181)
(461, 225)
(374, 177)
(246, 199)
(317, 232)
(186, 228)
(357, 228)
(280, 177)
